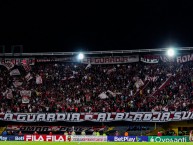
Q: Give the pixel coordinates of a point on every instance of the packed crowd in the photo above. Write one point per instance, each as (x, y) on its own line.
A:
(75, 87)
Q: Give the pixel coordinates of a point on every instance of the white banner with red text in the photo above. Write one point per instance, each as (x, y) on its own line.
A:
(86, 138)
(98, 117)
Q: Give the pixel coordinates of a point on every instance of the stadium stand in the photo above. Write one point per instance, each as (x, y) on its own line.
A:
(68, 87)
(74, 87)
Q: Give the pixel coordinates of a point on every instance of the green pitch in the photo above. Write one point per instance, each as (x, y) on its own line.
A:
(91, 143)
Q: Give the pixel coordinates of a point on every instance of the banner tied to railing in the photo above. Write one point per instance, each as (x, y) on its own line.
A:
(98, 117)
(111, 60)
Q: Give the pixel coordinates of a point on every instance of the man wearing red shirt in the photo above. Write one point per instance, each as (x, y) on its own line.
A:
(20, 133)
(159, 133)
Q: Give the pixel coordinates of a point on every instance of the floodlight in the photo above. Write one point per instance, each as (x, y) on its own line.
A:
(80, 56)
(170, 52)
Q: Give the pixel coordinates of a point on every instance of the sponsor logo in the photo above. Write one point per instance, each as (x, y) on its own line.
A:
(125, 139)
(59, 138)
(3, 138)
(12, 138)
(141, 138)
(19, 138)
(168, 139)
(89, 138)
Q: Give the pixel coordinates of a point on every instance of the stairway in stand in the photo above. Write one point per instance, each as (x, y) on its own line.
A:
(162, 86)
(2, 129)
(143, 88)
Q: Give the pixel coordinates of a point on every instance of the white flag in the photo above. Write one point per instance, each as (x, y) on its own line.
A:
(14, 72)
(65, 78)
(169, 74)
(113, 94)
(74, 72)
(25, 93)
(38, 79)
(72, 77)
(88, 66)
(9, 94)
(17, 83)
(103, 96)
(139, 83)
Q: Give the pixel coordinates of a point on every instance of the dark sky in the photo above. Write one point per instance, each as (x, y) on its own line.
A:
(94, 25)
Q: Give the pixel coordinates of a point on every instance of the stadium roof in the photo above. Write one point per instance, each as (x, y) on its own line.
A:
(96, 52)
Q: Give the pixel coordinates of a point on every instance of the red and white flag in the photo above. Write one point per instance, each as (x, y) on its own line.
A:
(87, 97)
(28, 77)
(111, 70)
(8, 65)
(139, 83)
(14, 72)
(26, 66)
(25, 99)
(26, 94)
